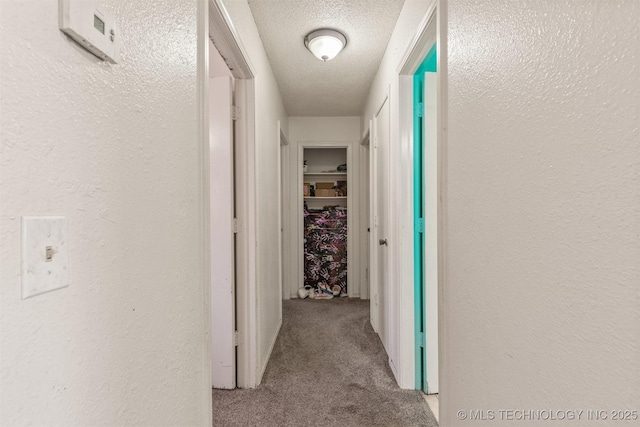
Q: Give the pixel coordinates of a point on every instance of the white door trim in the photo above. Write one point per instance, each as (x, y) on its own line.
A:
(205, 248)
(365, 201)
(283, 217)
(214, 23)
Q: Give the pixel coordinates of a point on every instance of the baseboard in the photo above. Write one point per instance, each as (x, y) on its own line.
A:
(266, 361)
(395, 372)
(434, 404)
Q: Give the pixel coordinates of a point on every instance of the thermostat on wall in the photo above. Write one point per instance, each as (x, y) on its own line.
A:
(92, 27)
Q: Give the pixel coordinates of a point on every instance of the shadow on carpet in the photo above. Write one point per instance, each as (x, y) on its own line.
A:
(328, 368)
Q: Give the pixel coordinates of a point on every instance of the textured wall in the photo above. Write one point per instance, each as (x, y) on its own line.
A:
(410, 16)
(543, 249)
(269, 109)
(115, 149)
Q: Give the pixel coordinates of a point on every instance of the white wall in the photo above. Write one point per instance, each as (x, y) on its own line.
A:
(385, 84)
(541, 203)
(317, 129)
(115, 149)
(542, 250)
(269, 109)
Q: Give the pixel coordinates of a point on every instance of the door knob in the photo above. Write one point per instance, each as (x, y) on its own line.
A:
(383, 242)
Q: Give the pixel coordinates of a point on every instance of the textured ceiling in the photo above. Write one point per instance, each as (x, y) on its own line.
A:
(338, 87)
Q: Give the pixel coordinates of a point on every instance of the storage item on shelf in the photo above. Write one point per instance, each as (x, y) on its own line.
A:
(325, 189)
(325, 248)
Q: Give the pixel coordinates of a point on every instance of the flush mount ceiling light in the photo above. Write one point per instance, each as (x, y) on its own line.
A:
(325, 44)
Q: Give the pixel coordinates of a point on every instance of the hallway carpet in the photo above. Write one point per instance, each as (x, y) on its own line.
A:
(328, 368)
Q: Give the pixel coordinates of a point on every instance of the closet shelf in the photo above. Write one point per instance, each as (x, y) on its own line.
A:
(325, 173)
(316, 197)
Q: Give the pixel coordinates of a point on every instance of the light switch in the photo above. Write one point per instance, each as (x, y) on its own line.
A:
(45, 254)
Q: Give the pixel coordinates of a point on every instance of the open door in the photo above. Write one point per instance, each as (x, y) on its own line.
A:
(425, 212)
(430, 198)
(223, 336)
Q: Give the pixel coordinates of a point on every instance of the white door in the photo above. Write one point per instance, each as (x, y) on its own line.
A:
(223, 349)
(381, 224)
(284, 159)
(365, 226)
(430, 186)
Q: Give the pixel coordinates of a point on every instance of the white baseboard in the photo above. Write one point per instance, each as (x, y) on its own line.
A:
(434, 404)
(266, 360)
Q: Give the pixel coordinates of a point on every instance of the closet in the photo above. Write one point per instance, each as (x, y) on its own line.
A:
(325, 225)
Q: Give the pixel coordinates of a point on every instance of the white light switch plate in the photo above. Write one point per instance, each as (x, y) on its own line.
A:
(40, 275)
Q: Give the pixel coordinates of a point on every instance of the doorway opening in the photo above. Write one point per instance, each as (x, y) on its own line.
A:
(425, 203)
(326, 192)
(422, 85)
(228, 184)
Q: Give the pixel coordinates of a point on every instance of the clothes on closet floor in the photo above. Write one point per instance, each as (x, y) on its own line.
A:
(325, 251)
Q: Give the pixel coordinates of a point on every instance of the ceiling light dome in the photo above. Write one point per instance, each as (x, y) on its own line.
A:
(325, 44)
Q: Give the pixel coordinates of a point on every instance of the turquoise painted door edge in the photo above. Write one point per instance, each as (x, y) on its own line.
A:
(428, 64)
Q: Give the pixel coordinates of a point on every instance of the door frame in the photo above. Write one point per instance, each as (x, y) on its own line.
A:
(353, 284)
(432, 30)
(214, 23)
(283, 217)
(365, 207)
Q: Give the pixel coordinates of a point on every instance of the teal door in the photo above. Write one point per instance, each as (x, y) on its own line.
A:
(423, 355)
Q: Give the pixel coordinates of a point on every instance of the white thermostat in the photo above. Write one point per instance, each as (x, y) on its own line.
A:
(92, 27)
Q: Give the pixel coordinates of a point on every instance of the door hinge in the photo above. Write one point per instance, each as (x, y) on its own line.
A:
(420, 109)
(420, 225)
(235, 113)
(235, 338)
(422, 340)
(235, 225)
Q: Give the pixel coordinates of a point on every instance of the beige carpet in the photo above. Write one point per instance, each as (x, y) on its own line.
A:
(328, 368)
